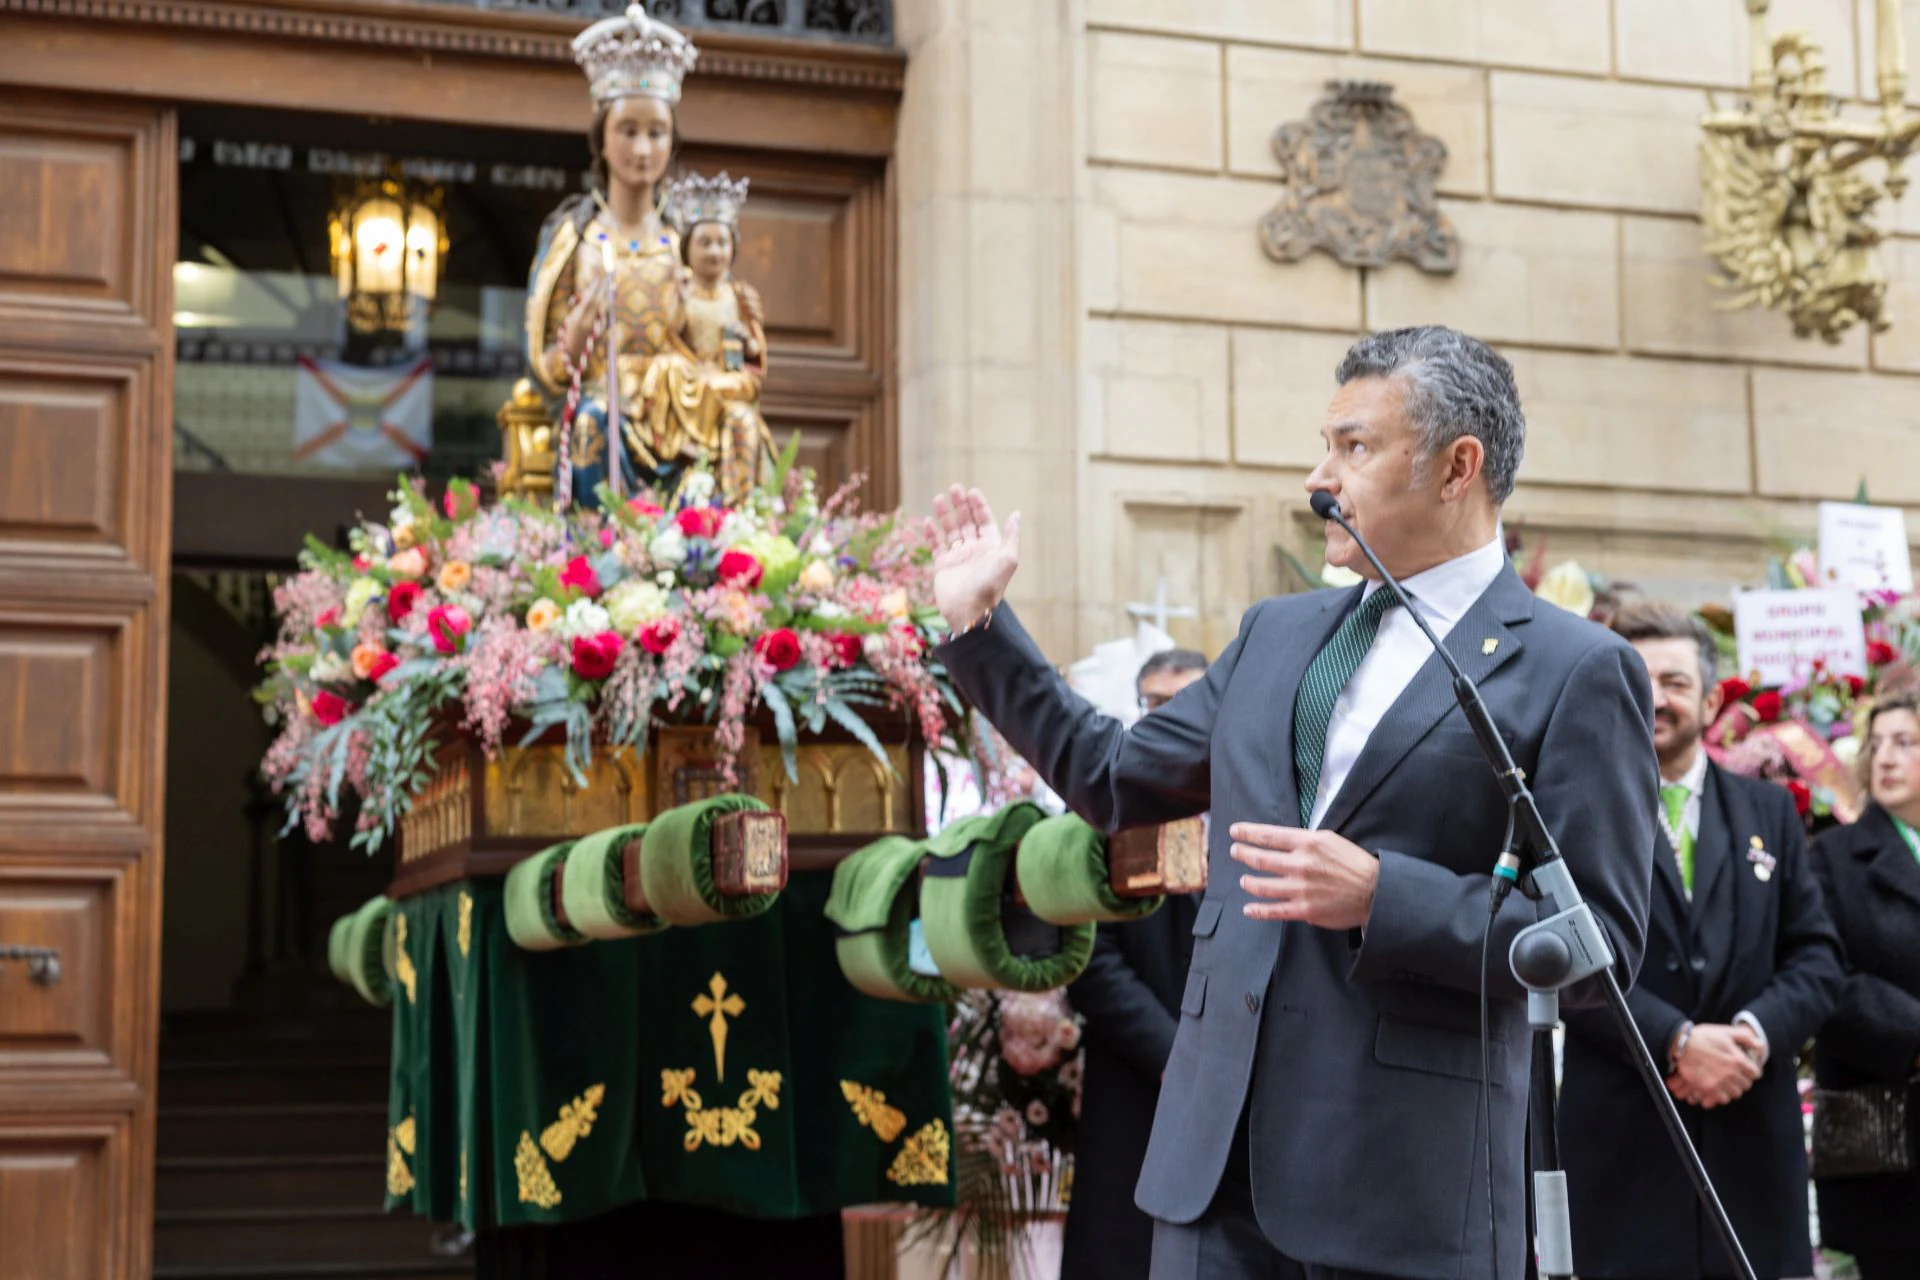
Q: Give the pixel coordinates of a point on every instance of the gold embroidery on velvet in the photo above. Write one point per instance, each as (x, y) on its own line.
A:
(536, 1180)
(402, 962)
(466, 923)
(721, 1126)
(717, 1006)
(463, 1175)
(400, 1142)
(922, 1162)
(870, 1109)
(575, 1122)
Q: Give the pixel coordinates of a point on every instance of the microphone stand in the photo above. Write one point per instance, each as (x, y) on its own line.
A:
(1551, 955)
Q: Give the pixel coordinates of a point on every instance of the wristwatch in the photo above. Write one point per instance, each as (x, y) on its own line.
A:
(1678, 1049)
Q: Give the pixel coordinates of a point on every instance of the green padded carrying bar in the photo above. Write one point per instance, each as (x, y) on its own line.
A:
(1062, 870)
(337, 948)
(966, 909)
(593, 890)
(871, 907)
(676, 865)
(364, 952)
(528, 900)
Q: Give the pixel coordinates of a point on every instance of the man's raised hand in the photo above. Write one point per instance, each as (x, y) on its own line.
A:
(976, 558)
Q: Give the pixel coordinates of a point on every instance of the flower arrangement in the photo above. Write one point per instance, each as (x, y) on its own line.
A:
(1015, 1066)
(1805, 734)
(599, 622)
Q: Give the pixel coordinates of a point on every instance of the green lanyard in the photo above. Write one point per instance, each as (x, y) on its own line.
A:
(1908, 834)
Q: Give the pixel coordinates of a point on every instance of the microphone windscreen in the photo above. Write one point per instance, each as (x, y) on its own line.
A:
(1324, 504)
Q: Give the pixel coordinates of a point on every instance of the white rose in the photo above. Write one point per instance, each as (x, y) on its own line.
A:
(735, 529)
(821, 546)
(331, 668)
(829, 611)
(668, 547)
(874, 645)
(664, 577)
(633, 604)
(697, 487)
(584, 618)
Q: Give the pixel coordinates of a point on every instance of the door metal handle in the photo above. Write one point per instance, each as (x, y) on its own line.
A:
(43, 963)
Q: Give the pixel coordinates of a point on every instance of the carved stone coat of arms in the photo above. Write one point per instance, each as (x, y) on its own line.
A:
(1359, 178)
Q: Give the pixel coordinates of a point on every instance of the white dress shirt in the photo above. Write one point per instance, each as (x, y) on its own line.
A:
(1442, 594)
(1695, 781)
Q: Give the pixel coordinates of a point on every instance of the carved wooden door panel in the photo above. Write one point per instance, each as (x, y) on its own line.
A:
(86, 247)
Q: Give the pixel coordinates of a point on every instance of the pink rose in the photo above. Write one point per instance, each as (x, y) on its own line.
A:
(644, 508)
(699, 522)
(579, 575)
(658, 636)
(594, 656)
(448, 624)
(740, 569)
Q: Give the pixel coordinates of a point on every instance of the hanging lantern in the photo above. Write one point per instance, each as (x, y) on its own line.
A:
(389, 248)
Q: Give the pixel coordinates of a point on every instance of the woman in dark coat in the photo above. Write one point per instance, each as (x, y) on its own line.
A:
(1870, 879)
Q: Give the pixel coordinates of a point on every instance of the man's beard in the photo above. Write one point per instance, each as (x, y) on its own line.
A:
(1682, 741)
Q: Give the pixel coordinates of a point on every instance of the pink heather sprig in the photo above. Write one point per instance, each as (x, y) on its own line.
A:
(682, 659)
(502, 661)
(631, 685)
(300, 600)
(737, 693)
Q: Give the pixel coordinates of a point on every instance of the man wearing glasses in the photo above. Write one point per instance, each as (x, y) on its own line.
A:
(1130, 997)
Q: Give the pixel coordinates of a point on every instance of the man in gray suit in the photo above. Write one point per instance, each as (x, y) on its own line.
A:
(1321, 1111)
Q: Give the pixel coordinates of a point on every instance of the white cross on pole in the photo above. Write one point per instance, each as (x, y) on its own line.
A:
(1160, 612)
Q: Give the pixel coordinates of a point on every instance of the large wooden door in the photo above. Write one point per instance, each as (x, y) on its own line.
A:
(86, 247)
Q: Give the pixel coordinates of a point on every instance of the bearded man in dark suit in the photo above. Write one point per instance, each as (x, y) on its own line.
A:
(1743, 965)
(1320, 1116)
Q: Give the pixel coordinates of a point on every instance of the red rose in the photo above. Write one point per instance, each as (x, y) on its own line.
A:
(1856, 686)
(448, 624)
(658, 636)
(778, 649)
(740, 569)
(1732, 689)
(327, 619)
(846, 649)
(1881, 654)
(907, 640)
(329, 708)
(362, 564)
(1802, 796)
(645, 509)
(1766, 704)
(594, 656)
(381, 665)
(580, 576)
(401, 597)
(699, 522)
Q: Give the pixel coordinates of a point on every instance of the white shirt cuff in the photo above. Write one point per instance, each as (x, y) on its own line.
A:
(1747, 1020)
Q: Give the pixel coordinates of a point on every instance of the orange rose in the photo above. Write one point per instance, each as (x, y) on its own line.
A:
(542, 615)
(455, 575)
(365, 658)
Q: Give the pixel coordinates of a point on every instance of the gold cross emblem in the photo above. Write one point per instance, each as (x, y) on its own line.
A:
(716, 1007)
(1488, 645)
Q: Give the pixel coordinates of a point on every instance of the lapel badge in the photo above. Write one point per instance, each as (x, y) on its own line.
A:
(1488, 645)
(1761, 861)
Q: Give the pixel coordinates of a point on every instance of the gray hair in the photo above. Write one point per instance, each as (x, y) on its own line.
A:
(1455, 386)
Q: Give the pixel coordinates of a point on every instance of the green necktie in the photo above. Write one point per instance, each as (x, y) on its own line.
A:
(1673, 796)
(1320, 688)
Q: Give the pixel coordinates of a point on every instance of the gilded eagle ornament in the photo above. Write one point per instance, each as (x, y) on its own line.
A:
(1788, 216)
(1359, 181)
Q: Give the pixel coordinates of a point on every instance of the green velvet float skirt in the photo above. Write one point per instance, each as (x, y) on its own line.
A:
(729, 1066)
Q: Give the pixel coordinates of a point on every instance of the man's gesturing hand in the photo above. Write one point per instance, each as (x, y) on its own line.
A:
(1317, 877)
(976, 558)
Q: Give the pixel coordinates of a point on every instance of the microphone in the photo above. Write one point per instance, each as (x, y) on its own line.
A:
(1506, 872)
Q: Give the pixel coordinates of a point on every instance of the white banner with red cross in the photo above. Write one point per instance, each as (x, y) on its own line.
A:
(359, 419)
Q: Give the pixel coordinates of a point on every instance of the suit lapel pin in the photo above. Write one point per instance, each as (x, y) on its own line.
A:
(1488, 645)
(1761, 861)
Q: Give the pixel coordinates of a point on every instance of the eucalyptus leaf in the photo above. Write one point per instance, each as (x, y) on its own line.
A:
(783, 727)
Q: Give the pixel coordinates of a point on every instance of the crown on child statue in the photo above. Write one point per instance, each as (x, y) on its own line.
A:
(633, 54)
(694, 199)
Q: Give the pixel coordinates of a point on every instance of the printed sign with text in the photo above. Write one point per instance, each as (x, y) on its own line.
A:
(1782, 633)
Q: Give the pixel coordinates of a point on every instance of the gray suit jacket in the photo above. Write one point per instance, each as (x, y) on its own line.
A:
(1367, 1146)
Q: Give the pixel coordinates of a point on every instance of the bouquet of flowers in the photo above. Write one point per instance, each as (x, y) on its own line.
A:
(597, 622)
(1015, 1065)
(1804, 734)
